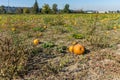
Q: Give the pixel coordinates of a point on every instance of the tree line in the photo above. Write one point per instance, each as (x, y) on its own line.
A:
(46, 9)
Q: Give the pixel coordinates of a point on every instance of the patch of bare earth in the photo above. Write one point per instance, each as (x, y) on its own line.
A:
(100, 65)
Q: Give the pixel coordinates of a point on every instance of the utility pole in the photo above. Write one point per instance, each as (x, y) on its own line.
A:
(8, 6)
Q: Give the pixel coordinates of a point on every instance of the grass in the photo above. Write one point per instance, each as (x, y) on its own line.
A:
(99, 33)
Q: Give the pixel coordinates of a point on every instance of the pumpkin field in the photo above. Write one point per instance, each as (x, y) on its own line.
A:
(60, 47)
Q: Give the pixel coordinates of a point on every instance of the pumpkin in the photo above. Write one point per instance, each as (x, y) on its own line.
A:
(36, 42)
(13, 29)
(71, 49)
(76, 49)
(45, 27)
(114, 28)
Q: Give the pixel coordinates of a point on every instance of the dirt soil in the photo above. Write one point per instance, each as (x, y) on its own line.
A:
(101, 65)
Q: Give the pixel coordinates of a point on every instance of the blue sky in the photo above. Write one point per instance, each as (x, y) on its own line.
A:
(100, 5)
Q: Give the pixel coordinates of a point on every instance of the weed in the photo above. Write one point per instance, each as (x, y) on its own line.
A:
(62, 49)
(48, 45)
(78, 36)
(40, 29)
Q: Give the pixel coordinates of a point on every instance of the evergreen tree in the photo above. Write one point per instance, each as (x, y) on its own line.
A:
(35, 8)
(54, 8)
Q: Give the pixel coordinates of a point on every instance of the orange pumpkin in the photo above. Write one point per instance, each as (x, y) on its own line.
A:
(36, 42)
(78, 49)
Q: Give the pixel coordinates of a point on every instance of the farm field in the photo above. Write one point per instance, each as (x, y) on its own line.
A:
(51, 59)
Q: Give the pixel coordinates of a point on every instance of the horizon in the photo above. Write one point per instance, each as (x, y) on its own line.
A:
(99, 5)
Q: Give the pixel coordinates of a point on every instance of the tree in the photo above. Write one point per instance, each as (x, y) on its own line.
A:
(118, 11)
(35, 8)
(54, 8)
(19, 10)
(106, 12)
(2, 10)
(66, 8)
(46, 9)
(26, 10)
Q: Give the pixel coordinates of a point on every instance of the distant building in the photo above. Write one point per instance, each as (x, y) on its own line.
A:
(103, 12)
(10, 9)
(91, 11)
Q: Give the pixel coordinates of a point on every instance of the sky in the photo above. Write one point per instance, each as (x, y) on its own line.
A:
(100, 5)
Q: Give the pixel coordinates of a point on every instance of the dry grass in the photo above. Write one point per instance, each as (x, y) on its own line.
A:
(50, 59)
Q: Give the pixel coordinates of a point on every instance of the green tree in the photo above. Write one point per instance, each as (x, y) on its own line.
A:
(54, 8)
(26, 10)
(46, 9)
(19, 10)
(66, 8)
(118, 11)
(2, 10)
(35, 8)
